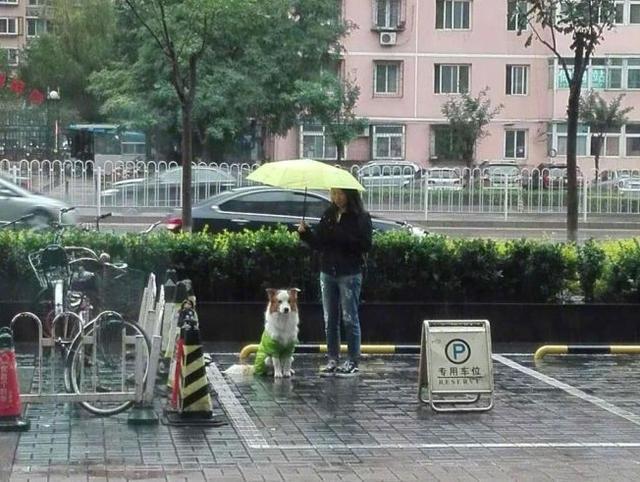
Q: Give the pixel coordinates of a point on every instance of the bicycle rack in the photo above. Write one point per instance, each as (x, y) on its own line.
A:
(138, 394)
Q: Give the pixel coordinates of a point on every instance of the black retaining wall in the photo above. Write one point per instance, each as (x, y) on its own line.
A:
(401, 322)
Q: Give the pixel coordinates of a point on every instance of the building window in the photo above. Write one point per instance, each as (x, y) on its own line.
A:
(634, 12)
(516, 15)
(581, 141)
(453, 14)
(388, 78)
(604, 73)
(610, 143)
(633, 73)
(388, 142)
(442, 142)
(517, 80)
(36, 26)
(8, 26)
(618, 19)
(12, 57)
(515, 144)
(387, 13)
(316, 144)
(451, 79)
(8, 2)
(632, 135)
(614, 73)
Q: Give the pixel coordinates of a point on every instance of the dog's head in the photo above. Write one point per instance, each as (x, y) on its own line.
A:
(283, 301)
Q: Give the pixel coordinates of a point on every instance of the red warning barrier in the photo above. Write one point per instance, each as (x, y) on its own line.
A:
(10, 406)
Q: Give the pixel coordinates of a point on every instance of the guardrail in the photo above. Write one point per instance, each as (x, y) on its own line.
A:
(138, 184)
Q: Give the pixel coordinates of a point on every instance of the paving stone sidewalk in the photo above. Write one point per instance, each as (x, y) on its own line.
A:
(573, 418)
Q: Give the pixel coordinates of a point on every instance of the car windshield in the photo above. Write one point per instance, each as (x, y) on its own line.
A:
(503, 171)
(198, 175)
(557, 172)
(443, 174)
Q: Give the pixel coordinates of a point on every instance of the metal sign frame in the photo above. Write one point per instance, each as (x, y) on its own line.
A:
(450, 399)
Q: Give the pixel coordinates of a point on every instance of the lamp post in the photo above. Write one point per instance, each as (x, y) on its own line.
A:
(53, 98)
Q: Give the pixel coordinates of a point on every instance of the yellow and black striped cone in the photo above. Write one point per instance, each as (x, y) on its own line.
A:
(195, 398)
(194, 404)
(187, 314)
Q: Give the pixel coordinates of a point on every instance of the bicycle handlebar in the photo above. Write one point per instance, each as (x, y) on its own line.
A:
(151, 227)
(18, 220)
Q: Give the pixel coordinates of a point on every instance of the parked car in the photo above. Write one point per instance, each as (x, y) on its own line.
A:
(16, 202)
(163, 188)
(548, 175)
(611, 180)
(500, 174)
(445, 178)
(629, 185)
(388, 174)
(255, 207)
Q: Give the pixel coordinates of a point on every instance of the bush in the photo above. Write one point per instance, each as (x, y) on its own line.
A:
(401, 267)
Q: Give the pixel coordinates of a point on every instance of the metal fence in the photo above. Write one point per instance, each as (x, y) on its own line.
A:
(391, 189)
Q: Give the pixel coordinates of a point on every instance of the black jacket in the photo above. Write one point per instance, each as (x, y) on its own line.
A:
(342, 245)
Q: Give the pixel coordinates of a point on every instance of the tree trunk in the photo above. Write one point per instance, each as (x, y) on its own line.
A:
(339, 152)
(596, 155)
(187, 222)
(573, 112)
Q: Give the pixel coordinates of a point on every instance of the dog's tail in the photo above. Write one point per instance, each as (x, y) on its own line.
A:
(242, 370)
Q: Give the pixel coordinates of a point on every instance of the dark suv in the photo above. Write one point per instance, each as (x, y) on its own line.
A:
(263, 206)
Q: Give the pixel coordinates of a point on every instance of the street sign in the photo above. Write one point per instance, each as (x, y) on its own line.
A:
(455, 365)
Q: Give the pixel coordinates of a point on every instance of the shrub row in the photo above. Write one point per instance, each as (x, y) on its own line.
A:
(238, 266)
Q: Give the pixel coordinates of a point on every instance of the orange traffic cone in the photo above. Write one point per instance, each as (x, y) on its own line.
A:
(10, 406)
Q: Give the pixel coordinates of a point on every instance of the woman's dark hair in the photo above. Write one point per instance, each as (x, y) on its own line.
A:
(354, 201)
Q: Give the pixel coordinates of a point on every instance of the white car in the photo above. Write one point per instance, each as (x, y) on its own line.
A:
(444, 178)
(388, 174)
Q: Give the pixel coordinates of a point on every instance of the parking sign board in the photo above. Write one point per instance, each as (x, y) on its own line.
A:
(455, 363)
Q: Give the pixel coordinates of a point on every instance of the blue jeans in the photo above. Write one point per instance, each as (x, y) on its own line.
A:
(340, 299)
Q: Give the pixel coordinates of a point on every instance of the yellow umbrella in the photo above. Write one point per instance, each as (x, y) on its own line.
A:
(304, 174)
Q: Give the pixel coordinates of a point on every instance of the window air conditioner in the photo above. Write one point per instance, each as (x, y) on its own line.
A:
(388, 38)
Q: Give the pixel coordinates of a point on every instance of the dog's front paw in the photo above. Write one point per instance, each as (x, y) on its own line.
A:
(277, 374)
(287, 373)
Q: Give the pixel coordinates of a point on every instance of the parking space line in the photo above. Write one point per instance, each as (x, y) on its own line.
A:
(238, 416)
(436, 446)
(609, 407)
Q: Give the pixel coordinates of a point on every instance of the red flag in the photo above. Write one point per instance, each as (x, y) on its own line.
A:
(17, 86)
(36, 97)
(3, 78)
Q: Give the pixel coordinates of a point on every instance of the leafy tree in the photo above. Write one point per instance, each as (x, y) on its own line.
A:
(245, 77)
(181, 31)
(602, 116)
(468, 116)
(584, 22)
(80, 42)
(331, 101)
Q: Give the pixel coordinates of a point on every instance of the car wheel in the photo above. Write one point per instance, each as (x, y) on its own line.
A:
(40, 219)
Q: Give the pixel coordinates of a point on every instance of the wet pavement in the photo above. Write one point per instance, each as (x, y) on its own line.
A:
(565, 418)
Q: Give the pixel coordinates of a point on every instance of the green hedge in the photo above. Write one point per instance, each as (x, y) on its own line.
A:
(401, 267)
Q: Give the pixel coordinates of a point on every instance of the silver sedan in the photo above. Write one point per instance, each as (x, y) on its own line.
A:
(16, 202)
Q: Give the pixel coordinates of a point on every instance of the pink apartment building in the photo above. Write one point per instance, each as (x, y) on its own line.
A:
(19, 21)
(408, 56)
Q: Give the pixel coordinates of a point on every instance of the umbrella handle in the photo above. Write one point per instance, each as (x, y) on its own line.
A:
(304, 205)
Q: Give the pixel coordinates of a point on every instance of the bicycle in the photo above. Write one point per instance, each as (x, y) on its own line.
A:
(67, 275)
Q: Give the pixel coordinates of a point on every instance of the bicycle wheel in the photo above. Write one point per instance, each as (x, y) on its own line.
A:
(105, 365)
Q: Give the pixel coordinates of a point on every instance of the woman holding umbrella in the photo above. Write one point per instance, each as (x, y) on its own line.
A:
(343, 237)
